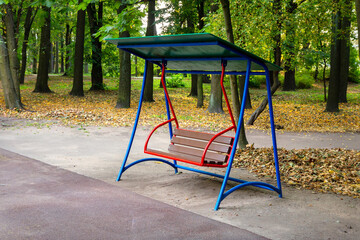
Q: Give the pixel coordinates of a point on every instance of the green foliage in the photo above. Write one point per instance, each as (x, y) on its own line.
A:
(129, 19)
(354, 73)
(305, 32)
(256, 81)
(304, 80)
(175, 81)
(176, 16)
(110, 63)
(140, 65)
(82, 6)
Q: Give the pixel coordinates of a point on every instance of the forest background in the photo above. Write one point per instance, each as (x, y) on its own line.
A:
(58, 47)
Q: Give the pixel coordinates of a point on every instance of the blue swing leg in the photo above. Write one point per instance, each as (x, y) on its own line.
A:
(224, 194)
(276, 159)
(233, 151)
(135, 124)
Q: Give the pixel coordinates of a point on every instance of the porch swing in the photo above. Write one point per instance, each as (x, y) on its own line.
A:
(194, 147)
(199, 54)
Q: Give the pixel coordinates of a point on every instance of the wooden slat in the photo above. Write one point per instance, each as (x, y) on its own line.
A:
(179, 156)
(202, 136)
(200, 144)
(198, 152)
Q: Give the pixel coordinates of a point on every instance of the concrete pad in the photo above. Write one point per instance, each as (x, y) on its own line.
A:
(39, 201)
(98, 152)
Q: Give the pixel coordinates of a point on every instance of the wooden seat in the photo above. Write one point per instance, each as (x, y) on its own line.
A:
(188, 146)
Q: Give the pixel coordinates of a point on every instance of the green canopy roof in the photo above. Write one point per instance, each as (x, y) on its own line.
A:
(194, 52)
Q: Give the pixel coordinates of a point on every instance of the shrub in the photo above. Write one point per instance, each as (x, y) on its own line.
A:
(304, 80)
(354, 71)
(175, 81)
(256, 81)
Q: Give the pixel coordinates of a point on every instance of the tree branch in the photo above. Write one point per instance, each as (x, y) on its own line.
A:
(263, 105)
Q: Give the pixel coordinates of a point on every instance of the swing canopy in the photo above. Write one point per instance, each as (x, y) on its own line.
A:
(201, 52)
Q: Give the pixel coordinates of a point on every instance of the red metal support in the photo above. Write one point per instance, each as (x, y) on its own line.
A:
(151, 133)
(225, 95)
(167, 94)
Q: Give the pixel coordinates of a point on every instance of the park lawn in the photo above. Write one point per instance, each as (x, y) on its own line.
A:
(335, 170)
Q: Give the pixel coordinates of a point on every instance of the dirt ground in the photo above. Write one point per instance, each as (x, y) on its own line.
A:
(97, 152)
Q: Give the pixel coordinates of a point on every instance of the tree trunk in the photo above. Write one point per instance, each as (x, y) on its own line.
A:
(289, 80)
(332, 104)
(345, 52)
(67, 46)
(12, 99)
(215, 103)
(27, 27)
(339, 59)
(241, 84)
(233, 82)
(200, 97)
(34, 66)
(56, 57)
(357, 5)
(44, 55)
(201, 13)
(200, 79)
(277, 39)
(324, 79)
(62, 66)
(95, 23)
(12, 47)
(316, 73)
(51, 65)
(136, 67)
(150, 31)
(78, 82)
(124, 94)
(193, 91)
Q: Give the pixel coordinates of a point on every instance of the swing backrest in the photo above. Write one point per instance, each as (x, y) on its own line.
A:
(191, 144)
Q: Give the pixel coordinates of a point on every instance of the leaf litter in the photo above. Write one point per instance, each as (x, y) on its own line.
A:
(321, 170)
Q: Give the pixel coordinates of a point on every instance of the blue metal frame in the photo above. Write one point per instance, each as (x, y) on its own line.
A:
(222, 194)
(135, 123)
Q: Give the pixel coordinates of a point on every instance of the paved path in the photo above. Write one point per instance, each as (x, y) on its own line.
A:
(40, 201)
(97, 153)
